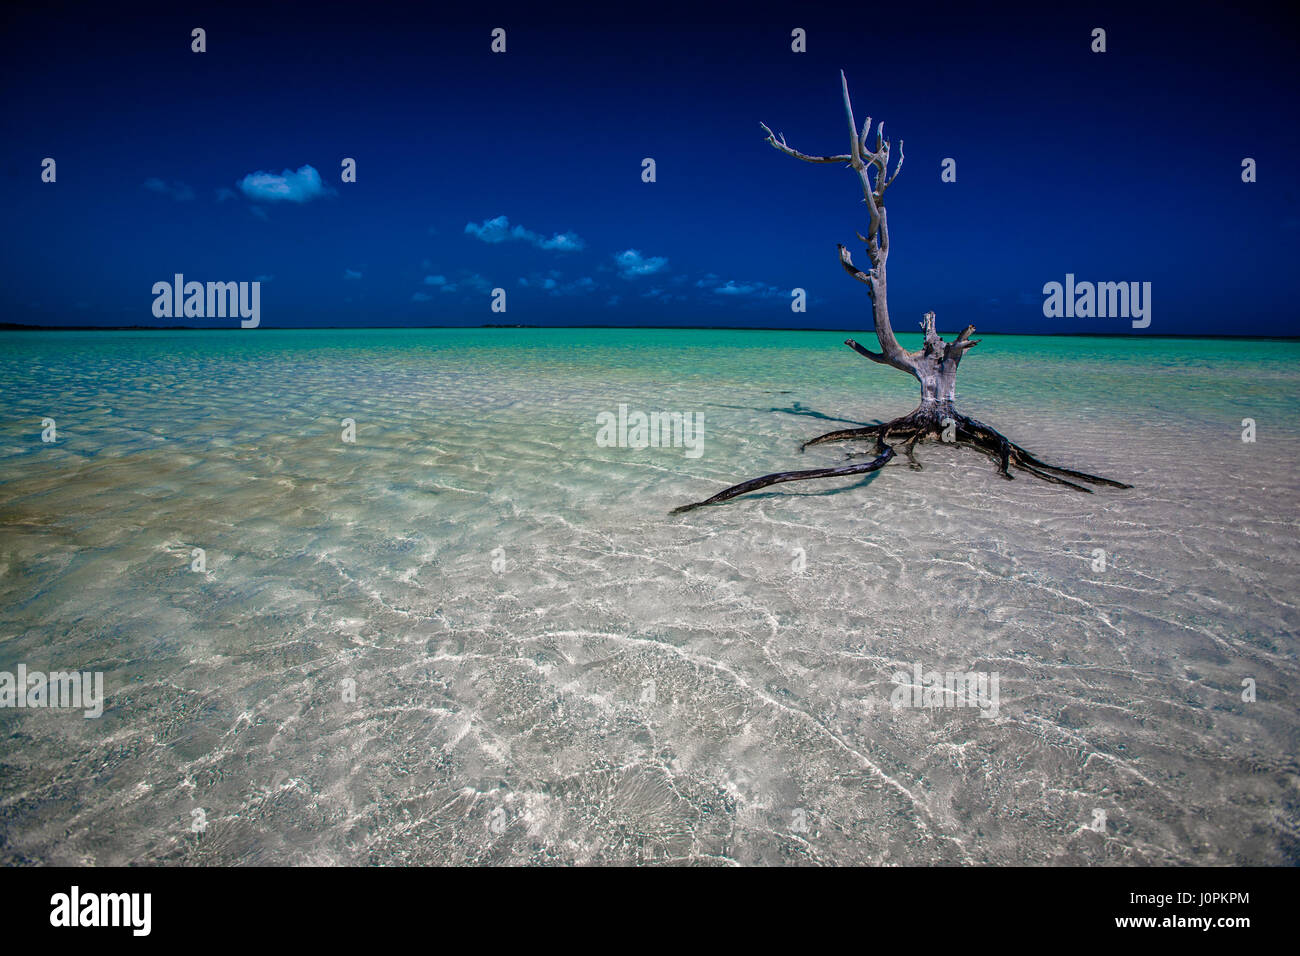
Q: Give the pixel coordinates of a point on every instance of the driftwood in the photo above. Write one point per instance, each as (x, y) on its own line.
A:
(934, 366)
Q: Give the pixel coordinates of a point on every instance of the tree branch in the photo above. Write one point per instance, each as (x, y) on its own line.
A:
(897, 169)
(961, 343)
(933, 341)
(893, 353)
(781, 145)
(846, 261)
(863, 161)
(853, 126)
(874, 356)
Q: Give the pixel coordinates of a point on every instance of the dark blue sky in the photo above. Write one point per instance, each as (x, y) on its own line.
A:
(1122, 166)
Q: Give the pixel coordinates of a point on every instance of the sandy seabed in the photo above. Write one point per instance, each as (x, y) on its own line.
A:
(547, 668)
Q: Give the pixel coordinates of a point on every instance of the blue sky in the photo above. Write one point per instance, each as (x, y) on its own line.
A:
(523, 170)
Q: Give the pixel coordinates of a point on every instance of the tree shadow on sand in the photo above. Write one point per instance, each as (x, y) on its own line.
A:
(797, 408)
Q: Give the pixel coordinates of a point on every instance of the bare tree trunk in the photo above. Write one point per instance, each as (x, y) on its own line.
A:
(934, 366)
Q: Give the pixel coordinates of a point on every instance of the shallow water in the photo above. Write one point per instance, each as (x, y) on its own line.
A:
(548, 668)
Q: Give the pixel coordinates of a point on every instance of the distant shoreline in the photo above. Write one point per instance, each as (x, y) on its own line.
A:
(22, 327)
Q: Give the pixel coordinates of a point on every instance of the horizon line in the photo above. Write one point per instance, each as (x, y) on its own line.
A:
(27, 327)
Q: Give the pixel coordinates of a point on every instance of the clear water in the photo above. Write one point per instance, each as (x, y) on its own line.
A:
(549, 668)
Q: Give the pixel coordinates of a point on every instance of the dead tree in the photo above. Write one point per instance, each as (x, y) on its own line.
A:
(934, 366)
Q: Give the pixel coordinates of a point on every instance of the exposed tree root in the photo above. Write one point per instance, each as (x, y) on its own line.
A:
(775, 479)
(927, 422)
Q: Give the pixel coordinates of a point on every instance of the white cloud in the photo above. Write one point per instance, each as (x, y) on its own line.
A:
(561, 242)
(301, 186)
(554, 283)
(500, 230)
(760, 289)
(632, 264)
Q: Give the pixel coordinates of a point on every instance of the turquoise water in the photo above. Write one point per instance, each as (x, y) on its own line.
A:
(548, 668)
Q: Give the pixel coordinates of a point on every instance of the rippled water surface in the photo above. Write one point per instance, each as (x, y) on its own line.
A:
(548, 668)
